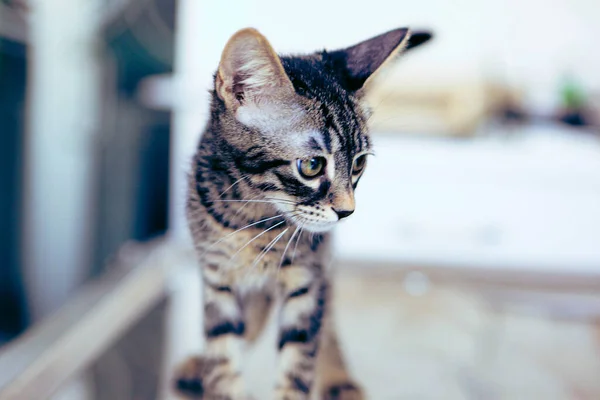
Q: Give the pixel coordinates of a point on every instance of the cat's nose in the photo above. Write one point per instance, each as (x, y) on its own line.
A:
(343, 213)
(343, 204)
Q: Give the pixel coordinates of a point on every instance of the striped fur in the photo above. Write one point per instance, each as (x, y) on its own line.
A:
(260, 227)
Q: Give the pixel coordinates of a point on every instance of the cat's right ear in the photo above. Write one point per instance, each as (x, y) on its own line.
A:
(250, 72)
(358, 64)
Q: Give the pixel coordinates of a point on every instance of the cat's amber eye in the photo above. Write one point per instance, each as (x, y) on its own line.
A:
(311, 167)
(359, 164)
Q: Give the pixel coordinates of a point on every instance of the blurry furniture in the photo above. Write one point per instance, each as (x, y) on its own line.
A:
(433, 109)
(85, 173)
(135, 144)
(13, 79)
(13, 21)
(123, 309)
(96, 159)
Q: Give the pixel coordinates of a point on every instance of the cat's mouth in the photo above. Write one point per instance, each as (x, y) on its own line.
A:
(313, 218)
(311, 221)
(314, 226)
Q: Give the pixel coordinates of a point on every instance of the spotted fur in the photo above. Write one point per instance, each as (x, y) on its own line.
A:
(260, 227)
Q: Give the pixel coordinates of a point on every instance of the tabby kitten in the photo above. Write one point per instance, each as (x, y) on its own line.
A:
(275, 170)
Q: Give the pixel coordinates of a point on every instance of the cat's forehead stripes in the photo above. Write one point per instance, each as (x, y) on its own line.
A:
(314, 144)
(318, 142)
(339, 113)
(345, 129)
(311, 141)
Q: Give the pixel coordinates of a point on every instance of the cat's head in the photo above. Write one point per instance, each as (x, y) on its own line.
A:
(300, 121)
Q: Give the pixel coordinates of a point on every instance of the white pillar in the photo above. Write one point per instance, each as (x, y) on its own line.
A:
(63, 107)
(202, 31)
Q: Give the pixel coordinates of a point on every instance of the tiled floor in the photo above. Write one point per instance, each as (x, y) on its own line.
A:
(449, 344)
(463, 337)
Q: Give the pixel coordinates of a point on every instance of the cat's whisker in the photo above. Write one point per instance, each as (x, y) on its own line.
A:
(299, 218)
(253, 200)
(245, 205)
(253, 239)
(286, 248)
(247, 201)
(233, 184)
(245, 227)
(297, 241)
(282, 200)
(263, 253)
(290, 214)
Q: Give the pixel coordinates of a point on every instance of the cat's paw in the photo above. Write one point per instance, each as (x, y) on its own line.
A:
(342, 391)
(203, 378)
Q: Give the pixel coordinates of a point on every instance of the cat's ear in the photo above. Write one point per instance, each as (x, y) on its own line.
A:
(250, 71)
(418, 38)
(359, 63)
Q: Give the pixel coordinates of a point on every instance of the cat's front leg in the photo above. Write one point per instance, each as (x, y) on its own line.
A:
(304, 295)
(216, 374)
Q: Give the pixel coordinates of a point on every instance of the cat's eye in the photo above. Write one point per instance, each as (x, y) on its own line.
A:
(359, 164)
(311, 167)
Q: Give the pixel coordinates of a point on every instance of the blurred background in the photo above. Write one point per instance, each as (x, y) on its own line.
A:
(471, 269)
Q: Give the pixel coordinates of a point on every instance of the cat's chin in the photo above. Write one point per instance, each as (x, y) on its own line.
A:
(318, 227)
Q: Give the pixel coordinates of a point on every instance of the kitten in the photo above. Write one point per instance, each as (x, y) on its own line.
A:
(275, 170)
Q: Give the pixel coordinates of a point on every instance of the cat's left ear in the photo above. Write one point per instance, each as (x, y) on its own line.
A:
(250, 72)
(358, 64)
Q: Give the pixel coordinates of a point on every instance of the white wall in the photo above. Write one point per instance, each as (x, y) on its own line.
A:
(530, 202)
